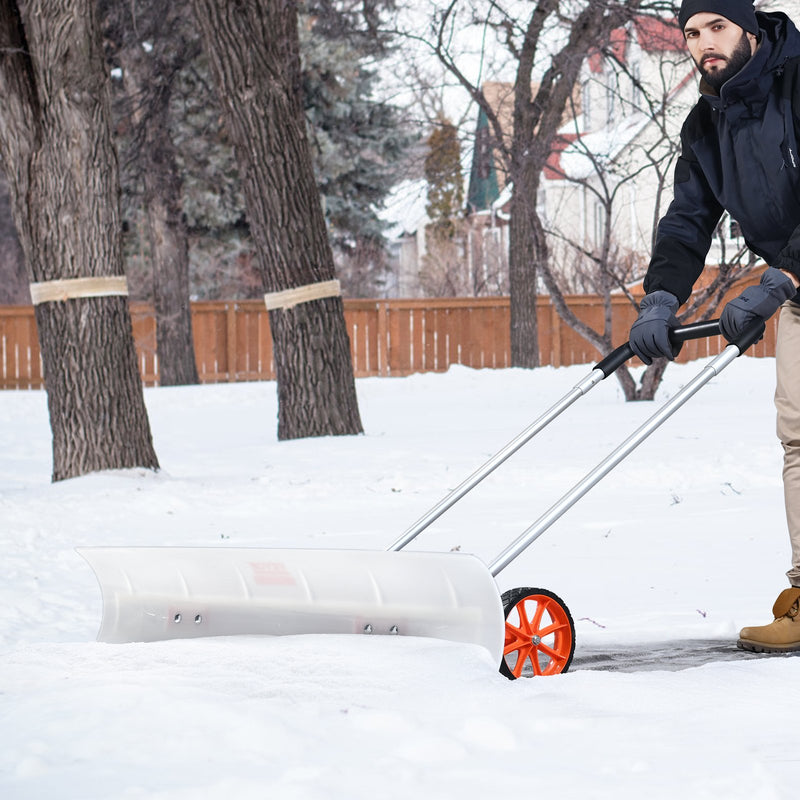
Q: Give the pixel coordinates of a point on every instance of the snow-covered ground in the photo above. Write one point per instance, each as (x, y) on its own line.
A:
(675, 550)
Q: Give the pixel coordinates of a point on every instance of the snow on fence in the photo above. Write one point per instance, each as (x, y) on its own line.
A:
(388, 338)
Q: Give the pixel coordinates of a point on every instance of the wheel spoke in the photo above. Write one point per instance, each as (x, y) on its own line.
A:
(534, 656)
(515, 637)
(524, 621)
(555, 655)
(537, 617)
(523, 655)
(556, 626)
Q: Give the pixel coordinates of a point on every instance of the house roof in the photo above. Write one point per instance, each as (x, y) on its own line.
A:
(617, 42)
(659, 36)
(487, 176)
(553, 169)
(653, 35)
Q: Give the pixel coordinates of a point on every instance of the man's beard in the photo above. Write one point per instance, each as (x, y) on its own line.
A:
(739, 57)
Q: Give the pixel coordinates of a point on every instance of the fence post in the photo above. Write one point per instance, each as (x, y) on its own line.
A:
(230, 314)
(555, 326)
(383, 337)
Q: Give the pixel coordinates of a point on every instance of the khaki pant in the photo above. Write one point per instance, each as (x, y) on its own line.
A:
(787, 403)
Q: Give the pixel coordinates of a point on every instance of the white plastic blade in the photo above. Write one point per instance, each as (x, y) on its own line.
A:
(154, 593)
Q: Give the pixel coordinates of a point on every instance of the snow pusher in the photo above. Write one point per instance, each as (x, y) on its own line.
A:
(155, 593)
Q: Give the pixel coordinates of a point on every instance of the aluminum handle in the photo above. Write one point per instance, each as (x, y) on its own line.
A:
(728, 355)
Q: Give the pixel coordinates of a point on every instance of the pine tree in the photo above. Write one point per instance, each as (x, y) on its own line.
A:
(356, 140)
(443, 174)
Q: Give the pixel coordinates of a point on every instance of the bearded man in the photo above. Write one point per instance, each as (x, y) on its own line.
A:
(739, 153)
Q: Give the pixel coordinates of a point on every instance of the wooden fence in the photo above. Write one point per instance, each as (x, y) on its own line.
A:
(388, 338)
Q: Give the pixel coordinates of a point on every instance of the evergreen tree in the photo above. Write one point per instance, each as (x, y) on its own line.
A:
(356, 140)
(443, 174)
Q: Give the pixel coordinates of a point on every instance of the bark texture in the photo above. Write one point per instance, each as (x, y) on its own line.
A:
(57, 152)
(253, 49)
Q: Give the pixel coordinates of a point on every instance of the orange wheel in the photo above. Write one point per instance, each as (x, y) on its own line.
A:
(540, 634)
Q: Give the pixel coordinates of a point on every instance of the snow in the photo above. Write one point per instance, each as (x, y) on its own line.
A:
(404, 210)
(680, 546)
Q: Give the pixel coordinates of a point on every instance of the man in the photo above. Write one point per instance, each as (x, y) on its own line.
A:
(739, 153)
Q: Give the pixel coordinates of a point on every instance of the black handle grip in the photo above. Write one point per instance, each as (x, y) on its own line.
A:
(694, 330)
(751, 335)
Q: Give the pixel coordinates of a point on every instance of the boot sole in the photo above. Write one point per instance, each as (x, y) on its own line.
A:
(760, 647)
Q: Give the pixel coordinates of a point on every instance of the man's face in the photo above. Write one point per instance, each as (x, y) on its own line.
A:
(718, 46)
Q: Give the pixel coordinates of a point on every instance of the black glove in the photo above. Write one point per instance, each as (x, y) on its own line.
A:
(649, 337)
(756, 302)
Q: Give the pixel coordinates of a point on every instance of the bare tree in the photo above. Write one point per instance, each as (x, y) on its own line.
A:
(253, 49)
(56, 147)
(538, 111)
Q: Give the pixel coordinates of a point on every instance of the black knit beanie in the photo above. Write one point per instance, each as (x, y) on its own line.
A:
(740, 12)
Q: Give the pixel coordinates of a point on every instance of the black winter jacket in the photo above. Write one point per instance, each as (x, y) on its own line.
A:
(739, 153)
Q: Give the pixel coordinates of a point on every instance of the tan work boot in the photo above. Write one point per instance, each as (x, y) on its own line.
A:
(780, 636)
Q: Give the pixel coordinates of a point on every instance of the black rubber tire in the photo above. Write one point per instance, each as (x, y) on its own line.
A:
(563, 644)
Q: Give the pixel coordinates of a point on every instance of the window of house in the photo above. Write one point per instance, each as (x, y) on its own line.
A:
(586, 99)
(599, 224)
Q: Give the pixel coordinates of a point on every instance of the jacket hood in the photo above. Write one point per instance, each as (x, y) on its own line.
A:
(782, 34)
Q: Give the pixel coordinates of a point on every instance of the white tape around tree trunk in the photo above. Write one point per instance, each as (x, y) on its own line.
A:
(289, 298)
(73, 288)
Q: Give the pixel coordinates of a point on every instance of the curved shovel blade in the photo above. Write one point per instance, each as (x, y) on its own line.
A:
(154, 593)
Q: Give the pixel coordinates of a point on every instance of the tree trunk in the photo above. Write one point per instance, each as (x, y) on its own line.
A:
(253, 49)
(56, 147)
(148, 76)
(527, 250)
(169, 250)
(168, 240)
